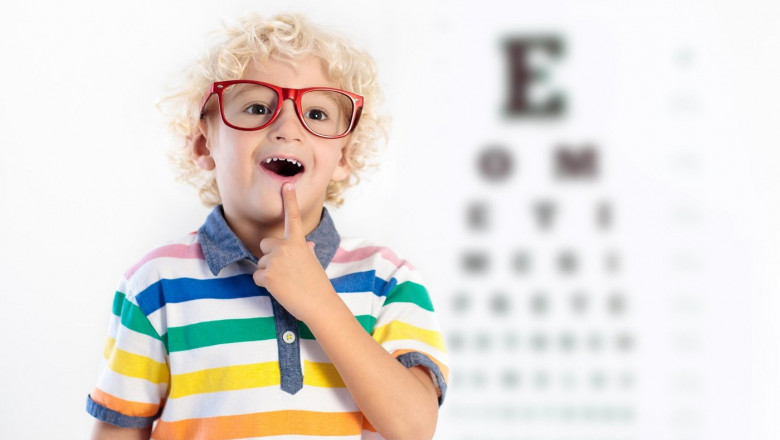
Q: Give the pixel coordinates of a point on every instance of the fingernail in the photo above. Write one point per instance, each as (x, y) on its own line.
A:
(289, 186)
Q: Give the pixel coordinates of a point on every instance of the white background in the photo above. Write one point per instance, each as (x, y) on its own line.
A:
(85, 189)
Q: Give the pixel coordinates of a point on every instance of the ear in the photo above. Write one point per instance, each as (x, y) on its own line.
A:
(342, 168)
(200, 148)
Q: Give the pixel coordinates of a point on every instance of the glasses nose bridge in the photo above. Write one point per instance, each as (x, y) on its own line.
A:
(290, 94)
(293, 95)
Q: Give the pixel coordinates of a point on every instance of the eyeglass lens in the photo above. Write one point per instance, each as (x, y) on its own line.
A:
(324, 112)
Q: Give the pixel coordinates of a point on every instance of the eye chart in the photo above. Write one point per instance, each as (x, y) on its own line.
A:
(593, 275)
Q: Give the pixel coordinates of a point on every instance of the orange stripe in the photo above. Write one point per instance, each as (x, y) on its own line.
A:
(261, 425)
(126, 407)
(444, 370)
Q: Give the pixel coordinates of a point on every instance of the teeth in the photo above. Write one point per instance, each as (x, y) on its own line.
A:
(292, 161)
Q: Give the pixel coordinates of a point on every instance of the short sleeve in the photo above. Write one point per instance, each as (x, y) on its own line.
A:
(134, 375)
(407, 327)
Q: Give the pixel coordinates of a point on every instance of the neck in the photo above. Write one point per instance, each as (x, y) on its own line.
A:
(251, 233)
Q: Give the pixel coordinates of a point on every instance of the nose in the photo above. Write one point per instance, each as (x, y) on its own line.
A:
(287, 126)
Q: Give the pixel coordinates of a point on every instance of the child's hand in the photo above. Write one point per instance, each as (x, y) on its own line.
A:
(289, 269)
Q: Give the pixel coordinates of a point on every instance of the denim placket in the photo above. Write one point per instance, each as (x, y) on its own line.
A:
(289, 353)
(221, 247)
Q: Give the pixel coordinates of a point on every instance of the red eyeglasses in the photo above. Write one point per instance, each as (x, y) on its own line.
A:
(252, 105)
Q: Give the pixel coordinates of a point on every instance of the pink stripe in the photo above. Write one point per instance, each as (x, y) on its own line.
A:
(193, 251)
(345, 256)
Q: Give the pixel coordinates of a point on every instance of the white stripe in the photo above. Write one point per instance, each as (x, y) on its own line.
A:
(257, 400)
(362, 303)
(113, 325)
(384, 269)
(172, 268)
(131, 388)
(223, 355)
(210, 309)
(140, 344)
(352, 243)
(102, 366)
(368, 435)
(311, 350)
(409, 313)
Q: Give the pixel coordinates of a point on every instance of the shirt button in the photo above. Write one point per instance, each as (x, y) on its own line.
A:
(288, 337)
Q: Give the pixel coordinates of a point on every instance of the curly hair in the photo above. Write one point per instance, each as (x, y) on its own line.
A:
(254, 39)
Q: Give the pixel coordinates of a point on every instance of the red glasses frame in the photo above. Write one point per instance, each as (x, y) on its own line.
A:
(285, 93)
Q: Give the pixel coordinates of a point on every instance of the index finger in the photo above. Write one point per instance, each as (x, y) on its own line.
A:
(293, 225)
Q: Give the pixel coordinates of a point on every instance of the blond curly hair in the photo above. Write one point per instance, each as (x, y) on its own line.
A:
(254, 38)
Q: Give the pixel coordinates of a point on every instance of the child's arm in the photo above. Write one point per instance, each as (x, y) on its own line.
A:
(400, 403)
(107, 431)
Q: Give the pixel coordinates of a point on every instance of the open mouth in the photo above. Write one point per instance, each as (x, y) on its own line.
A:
(283, 167)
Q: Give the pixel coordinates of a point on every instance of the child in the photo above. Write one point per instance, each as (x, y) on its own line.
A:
(265, 322)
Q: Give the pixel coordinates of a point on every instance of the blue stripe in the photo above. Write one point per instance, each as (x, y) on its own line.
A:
(354, 282)
(414, 358)
(363, 282)
(108, 415)
(180, 290)
(386, 287)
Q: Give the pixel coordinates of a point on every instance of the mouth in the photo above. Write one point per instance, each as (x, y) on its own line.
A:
(282, 166)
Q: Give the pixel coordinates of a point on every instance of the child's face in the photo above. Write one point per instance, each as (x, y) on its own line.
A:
(251, 192)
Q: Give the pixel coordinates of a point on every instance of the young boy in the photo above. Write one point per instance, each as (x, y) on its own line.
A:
(266, 322)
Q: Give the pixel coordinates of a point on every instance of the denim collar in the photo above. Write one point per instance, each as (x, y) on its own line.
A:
(222, 247)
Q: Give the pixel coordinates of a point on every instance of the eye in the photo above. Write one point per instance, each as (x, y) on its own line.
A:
(258, 109)
(316, 115)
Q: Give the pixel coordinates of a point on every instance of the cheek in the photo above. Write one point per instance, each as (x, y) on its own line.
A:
(233, 152)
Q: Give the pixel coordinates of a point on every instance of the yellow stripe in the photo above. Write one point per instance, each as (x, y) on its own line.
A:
(401, 330)
(134, 365)
(318, 374)
(110, 343)
(237, 377)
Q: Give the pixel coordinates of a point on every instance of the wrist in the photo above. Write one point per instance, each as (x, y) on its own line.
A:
(321, 307)
(327, 310)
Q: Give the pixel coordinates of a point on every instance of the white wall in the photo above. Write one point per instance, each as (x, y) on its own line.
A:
(680, 98)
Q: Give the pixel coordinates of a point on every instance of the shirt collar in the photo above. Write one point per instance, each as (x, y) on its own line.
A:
(222, 247)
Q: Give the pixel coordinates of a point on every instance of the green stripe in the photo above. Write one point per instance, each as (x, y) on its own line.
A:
(226, 331)
(119, 299)
(410, 292)
(133, 318)
(164, 339)
(366, 321)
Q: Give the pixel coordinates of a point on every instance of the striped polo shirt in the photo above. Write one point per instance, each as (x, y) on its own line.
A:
(198, 350)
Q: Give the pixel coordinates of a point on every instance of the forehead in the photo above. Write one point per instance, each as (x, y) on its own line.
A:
(310, 71)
